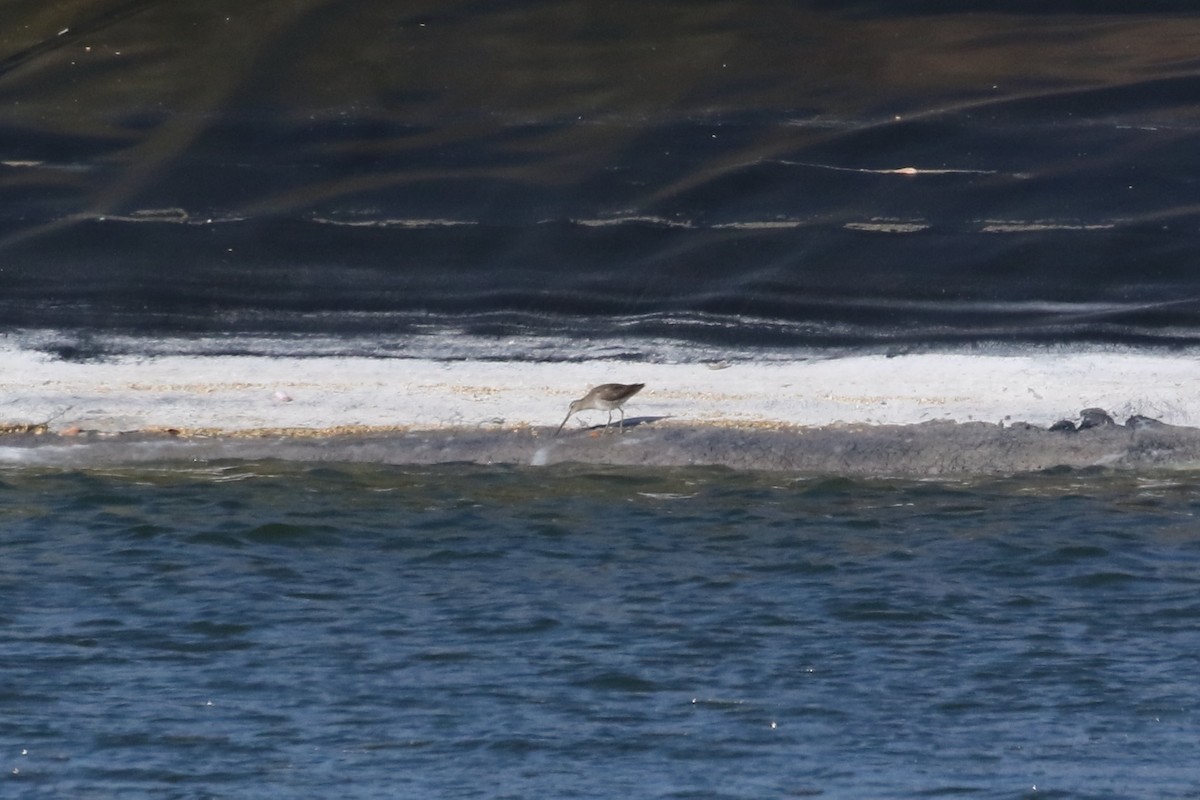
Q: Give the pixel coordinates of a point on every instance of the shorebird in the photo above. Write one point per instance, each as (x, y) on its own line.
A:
(605, 397)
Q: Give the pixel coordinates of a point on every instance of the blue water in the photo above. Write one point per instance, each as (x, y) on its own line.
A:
(265, 630)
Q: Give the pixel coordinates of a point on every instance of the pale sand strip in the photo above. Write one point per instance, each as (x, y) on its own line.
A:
(246, 394)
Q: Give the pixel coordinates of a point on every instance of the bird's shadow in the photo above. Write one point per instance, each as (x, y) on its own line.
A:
(630, 422)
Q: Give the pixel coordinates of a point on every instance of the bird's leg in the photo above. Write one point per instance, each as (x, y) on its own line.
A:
(622, 426)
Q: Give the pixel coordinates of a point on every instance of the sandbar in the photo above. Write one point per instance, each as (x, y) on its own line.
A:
(924, 414)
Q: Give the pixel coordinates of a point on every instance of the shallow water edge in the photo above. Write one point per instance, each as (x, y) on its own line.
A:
(924, 450)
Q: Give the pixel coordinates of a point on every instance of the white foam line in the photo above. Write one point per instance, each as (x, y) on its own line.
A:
(891, 170)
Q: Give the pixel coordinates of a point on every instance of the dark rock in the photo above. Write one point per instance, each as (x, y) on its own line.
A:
(1095, 418)
(1063, 426)
(1138, 422)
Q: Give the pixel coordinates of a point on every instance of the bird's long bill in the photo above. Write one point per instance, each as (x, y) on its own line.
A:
(564, 422)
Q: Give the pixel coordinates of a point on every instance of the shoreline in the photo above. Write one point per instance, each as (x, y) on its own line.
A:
(926, 414)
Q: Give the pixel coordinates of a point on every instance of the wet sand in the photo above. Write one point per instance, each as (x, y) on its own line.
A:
(928, 449)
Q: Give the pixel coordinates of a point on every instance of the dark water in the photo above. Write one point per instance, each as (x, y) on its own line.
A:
(725, 173)
(270, 631)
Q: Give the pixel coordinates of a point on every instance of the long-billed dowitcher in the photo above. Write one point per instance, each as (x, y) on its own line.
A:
(605, 397)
